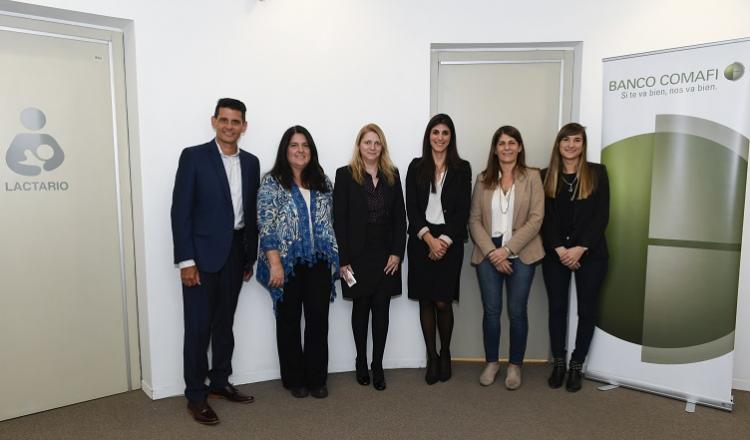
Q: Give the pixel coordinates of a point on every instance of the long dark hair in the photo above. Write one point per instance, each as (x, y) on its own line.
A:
(490, 174)
(426, 175)
(313, 176)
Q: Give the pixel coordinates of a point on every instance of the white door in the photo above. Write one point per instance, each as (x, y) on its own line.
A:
(483, 89)
(66, 257)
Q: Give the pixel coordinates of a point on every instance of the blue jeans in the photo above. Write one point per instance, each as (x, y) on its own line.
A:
(518, 285)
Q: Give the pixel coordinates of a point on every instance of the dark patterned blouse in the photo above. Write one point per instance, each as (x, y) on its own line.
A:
(376, 210)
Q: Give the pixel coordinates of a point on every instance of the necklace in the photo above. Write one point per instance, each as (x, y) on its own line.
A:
(571, 183)
(505, 197)
(572, 186)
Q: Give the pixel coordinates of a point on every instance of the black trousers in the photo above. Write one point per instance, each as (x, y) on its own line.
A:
(589, 278)
(379, 305)
(308, 290)
(208, 310)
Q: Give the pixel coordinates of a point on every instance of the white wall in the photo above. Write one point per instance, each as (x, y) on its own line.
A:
(333, 65)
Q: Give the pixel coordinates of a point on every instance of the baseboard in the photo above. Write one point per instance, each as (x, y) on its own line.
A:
(147, 389)
(171, 390)
(178, 389)
(741, 384)
(242, 378)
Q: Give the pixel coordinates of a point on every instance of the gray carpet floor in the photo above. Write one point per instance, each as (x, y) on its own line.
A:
(408, 409)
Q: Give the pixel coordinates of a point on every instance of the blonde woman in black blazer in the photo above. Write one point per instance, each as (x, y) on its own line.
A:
(438, 199)
(576, 215)
(370, 224)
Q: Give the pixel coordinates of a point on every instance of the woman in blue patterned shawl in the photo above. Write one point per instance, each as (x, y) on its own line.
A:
(297, 259)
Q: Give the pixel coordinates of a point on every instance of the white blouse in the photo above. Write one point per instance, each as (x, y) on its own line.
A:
(502, 213)
(434, 212)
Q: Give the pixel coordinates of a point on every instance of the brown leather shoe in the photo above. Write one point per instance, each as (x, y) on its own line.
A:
(202, 413)
(232, 394)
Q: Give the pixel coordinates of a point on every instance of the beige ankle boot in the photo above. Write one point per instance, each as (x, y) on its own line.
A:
(513, 379)
(488, 375)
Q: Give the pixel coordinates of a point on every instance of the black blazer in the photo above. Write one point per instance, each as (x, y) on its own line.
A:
(350, 216)
(456, 200)
(202, 212)
(590, 218)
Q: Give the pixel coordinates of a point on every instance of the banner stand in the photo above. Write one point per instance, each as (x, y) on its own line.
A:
(655, 389)
(675, 138)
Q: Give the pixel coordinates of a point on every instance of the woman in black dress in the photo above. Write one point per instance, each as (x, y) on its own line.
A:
(576, 212)
(370, 224)
(438, 199)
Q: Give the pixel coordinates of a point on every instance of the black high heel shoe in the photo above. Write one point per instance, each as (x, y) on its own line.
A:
(363, 376)
(445, 365)
(433, 369)
(378, 378)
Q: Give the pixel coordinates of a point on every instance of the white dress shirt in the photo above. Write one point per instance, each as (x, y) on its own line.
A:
(234, 176)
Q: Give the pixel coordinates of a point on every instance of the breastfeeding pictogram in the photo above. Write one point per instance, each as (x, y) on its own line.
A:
(29, 153)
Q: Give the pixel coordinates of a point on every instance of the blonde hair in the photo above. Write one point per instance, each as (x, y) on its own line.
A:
(586, 178)
(385, 166)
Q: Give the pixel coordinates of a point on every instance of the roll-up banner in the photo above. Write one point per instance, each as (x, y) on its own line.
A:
(675, 135)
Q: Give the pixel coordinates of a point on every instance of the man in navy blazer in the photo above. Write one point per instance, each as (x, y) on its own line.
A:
(215, 236)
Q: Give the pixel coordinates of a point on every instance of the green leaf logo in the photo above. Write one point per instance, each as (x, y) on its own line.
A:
(734, 71)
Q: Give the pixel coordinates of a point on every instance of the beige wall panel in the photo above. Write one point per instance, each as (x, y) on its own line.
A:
(481, 92)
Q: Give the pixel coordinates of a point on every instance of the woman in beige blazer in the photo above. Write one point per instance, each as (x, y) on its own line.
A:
(507, 209)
